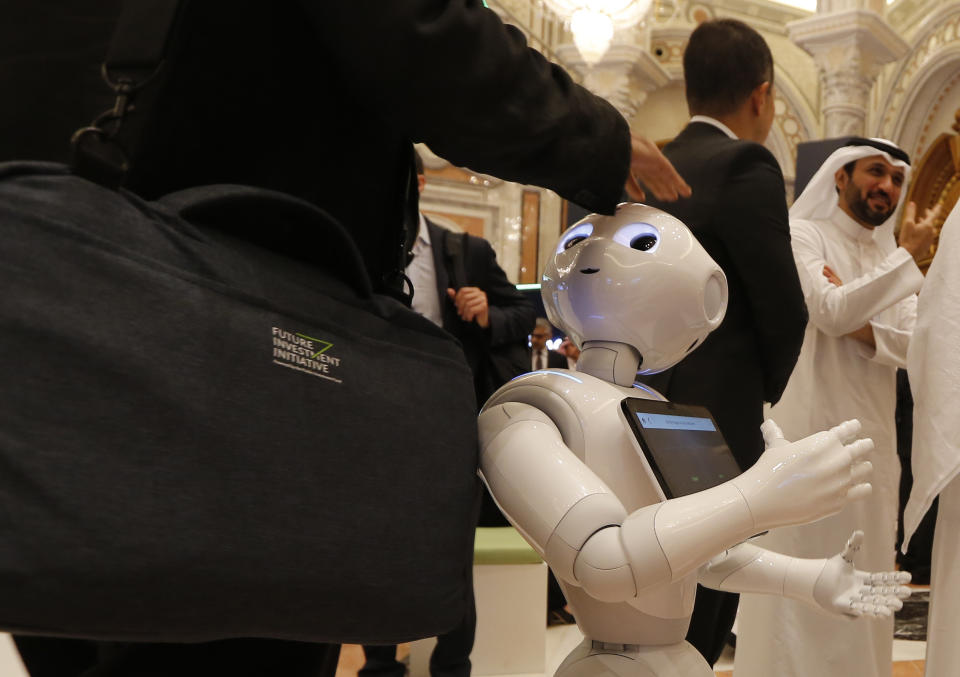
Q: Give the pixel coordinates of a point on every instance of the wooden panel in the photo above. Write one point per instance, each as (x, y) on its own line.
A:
(451, 174)
(529, 237)
(908, 669)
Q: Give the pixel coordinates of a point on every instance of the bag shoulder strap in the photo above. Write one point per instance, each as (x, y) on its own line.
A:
(455, 245)
(142, 44)
(134, 64)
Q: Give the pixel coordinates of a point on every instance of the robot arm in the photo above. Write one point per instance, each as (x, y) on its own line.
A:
(792, 483)
(583, 532)
(833, 585)
(548, 493)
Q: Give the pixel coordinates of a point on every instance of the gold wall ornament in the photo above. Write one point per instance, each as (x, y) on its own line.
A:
(936, 180)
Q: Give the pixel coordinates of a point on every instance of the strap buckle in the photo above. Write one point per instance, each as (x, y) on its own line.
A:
(98, 153)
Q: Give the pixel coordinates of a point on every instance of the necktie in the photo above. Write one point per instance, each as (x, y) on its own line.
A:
(540, 364)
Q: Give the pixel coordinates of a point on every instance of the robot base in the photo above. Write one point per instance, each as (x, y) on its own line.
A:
(599, 659)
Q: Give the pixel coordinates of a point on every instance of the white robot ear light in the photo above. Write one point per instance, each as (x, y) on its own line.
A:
(640, 236)
(575, 236)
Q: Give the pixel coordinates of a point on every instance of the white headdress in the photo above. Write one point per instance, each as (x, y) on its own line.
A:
(819, 198)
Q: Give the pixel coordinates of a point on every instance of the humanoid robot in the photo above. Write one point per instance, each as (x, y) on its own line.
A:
(637, 292)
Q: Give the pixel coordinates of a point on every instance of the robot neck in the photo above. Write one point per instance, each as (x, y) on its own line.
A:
(613, 362)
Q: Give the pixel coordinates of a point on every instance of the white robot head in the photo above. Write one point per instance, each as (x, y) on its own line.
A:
(638, 277)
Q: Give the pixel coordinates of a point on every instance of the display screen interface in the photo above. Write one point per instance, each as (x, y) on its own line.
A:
(682, 445)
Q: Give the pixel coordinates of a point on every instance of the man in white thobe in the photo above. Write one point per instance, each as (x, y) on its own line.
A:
(933, 362)
(860, 289)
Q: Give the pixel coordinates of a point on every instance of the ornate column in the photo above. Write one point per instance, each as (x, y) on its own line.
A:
(850, 41)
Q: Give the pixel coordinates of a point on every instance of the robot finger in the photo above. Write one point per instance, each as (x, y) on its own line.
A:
(847, 430)
(870, 609)
(859, 491)
(853, 546)
(886, 578)
(860, 472)
(772, 435)
(859, 449)
(879, 600)
(885, 590)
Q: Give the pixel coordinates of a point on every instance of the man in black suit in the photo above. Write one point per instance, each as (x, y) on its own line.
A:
(458, 285)
(540, 357)
(738, 212)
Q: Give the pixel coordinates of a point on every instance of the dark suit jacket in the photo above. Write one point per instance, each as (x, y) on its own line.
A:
(554, 359)
(738, 213)
(511, 315)
(320, 100)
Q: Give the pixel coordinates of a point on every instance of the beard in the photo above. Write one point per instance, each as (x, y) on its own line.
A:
(861, 206)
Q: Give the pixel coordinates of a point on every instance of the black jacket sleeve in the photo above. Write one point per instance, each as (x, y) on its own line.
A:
(454, 76)
(512, 316)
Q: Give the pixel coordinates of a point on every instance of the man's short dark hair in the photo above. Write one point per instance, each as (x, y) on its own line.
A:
(725, 60)
(418, 161)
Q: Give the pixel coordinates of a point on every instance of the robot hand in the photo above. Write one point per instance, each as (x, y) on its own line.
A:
(803, 481)
(843, 589)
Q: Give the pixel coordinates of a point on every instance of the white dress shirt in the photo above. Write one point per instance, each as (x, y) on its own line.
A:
(542, 353)
(423, 276)
(716, 123)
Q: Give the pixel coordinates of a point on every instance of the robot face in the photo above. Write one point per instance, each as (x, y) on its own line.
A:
(638, 277)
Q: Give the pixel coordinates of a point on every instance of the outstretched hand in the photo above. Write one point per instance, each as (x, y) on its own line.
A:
(916, 235)
(649, 167)
(843, 589)
(803, 481)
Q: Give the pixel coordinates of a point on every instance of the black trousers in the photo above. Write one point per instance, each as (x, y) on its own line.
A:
(713, 615)
(450, 657)
(57, 657)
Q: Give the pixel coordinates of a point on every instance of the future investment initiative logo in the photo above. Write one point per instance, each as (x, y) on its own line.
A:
(305, 353)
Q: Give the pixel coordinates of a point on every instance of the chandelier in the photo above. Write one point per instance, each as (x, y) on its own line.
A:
(593, 22)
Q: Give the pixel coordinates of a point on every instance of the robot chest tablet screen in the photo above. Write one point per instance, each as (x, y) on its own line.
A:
(682, 444)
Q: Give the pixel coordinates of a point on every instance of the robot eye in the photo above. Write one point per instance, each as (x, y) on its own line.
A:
(640, 236)
(575, 236)
(643, 242)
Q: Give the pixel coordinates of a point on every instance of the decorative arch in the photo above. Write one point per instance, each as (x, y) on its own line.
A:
(916, 84)
(932, 87)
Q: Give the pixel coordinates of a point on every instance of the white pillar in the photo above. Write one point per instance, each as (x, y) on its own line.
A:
(850, 41)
